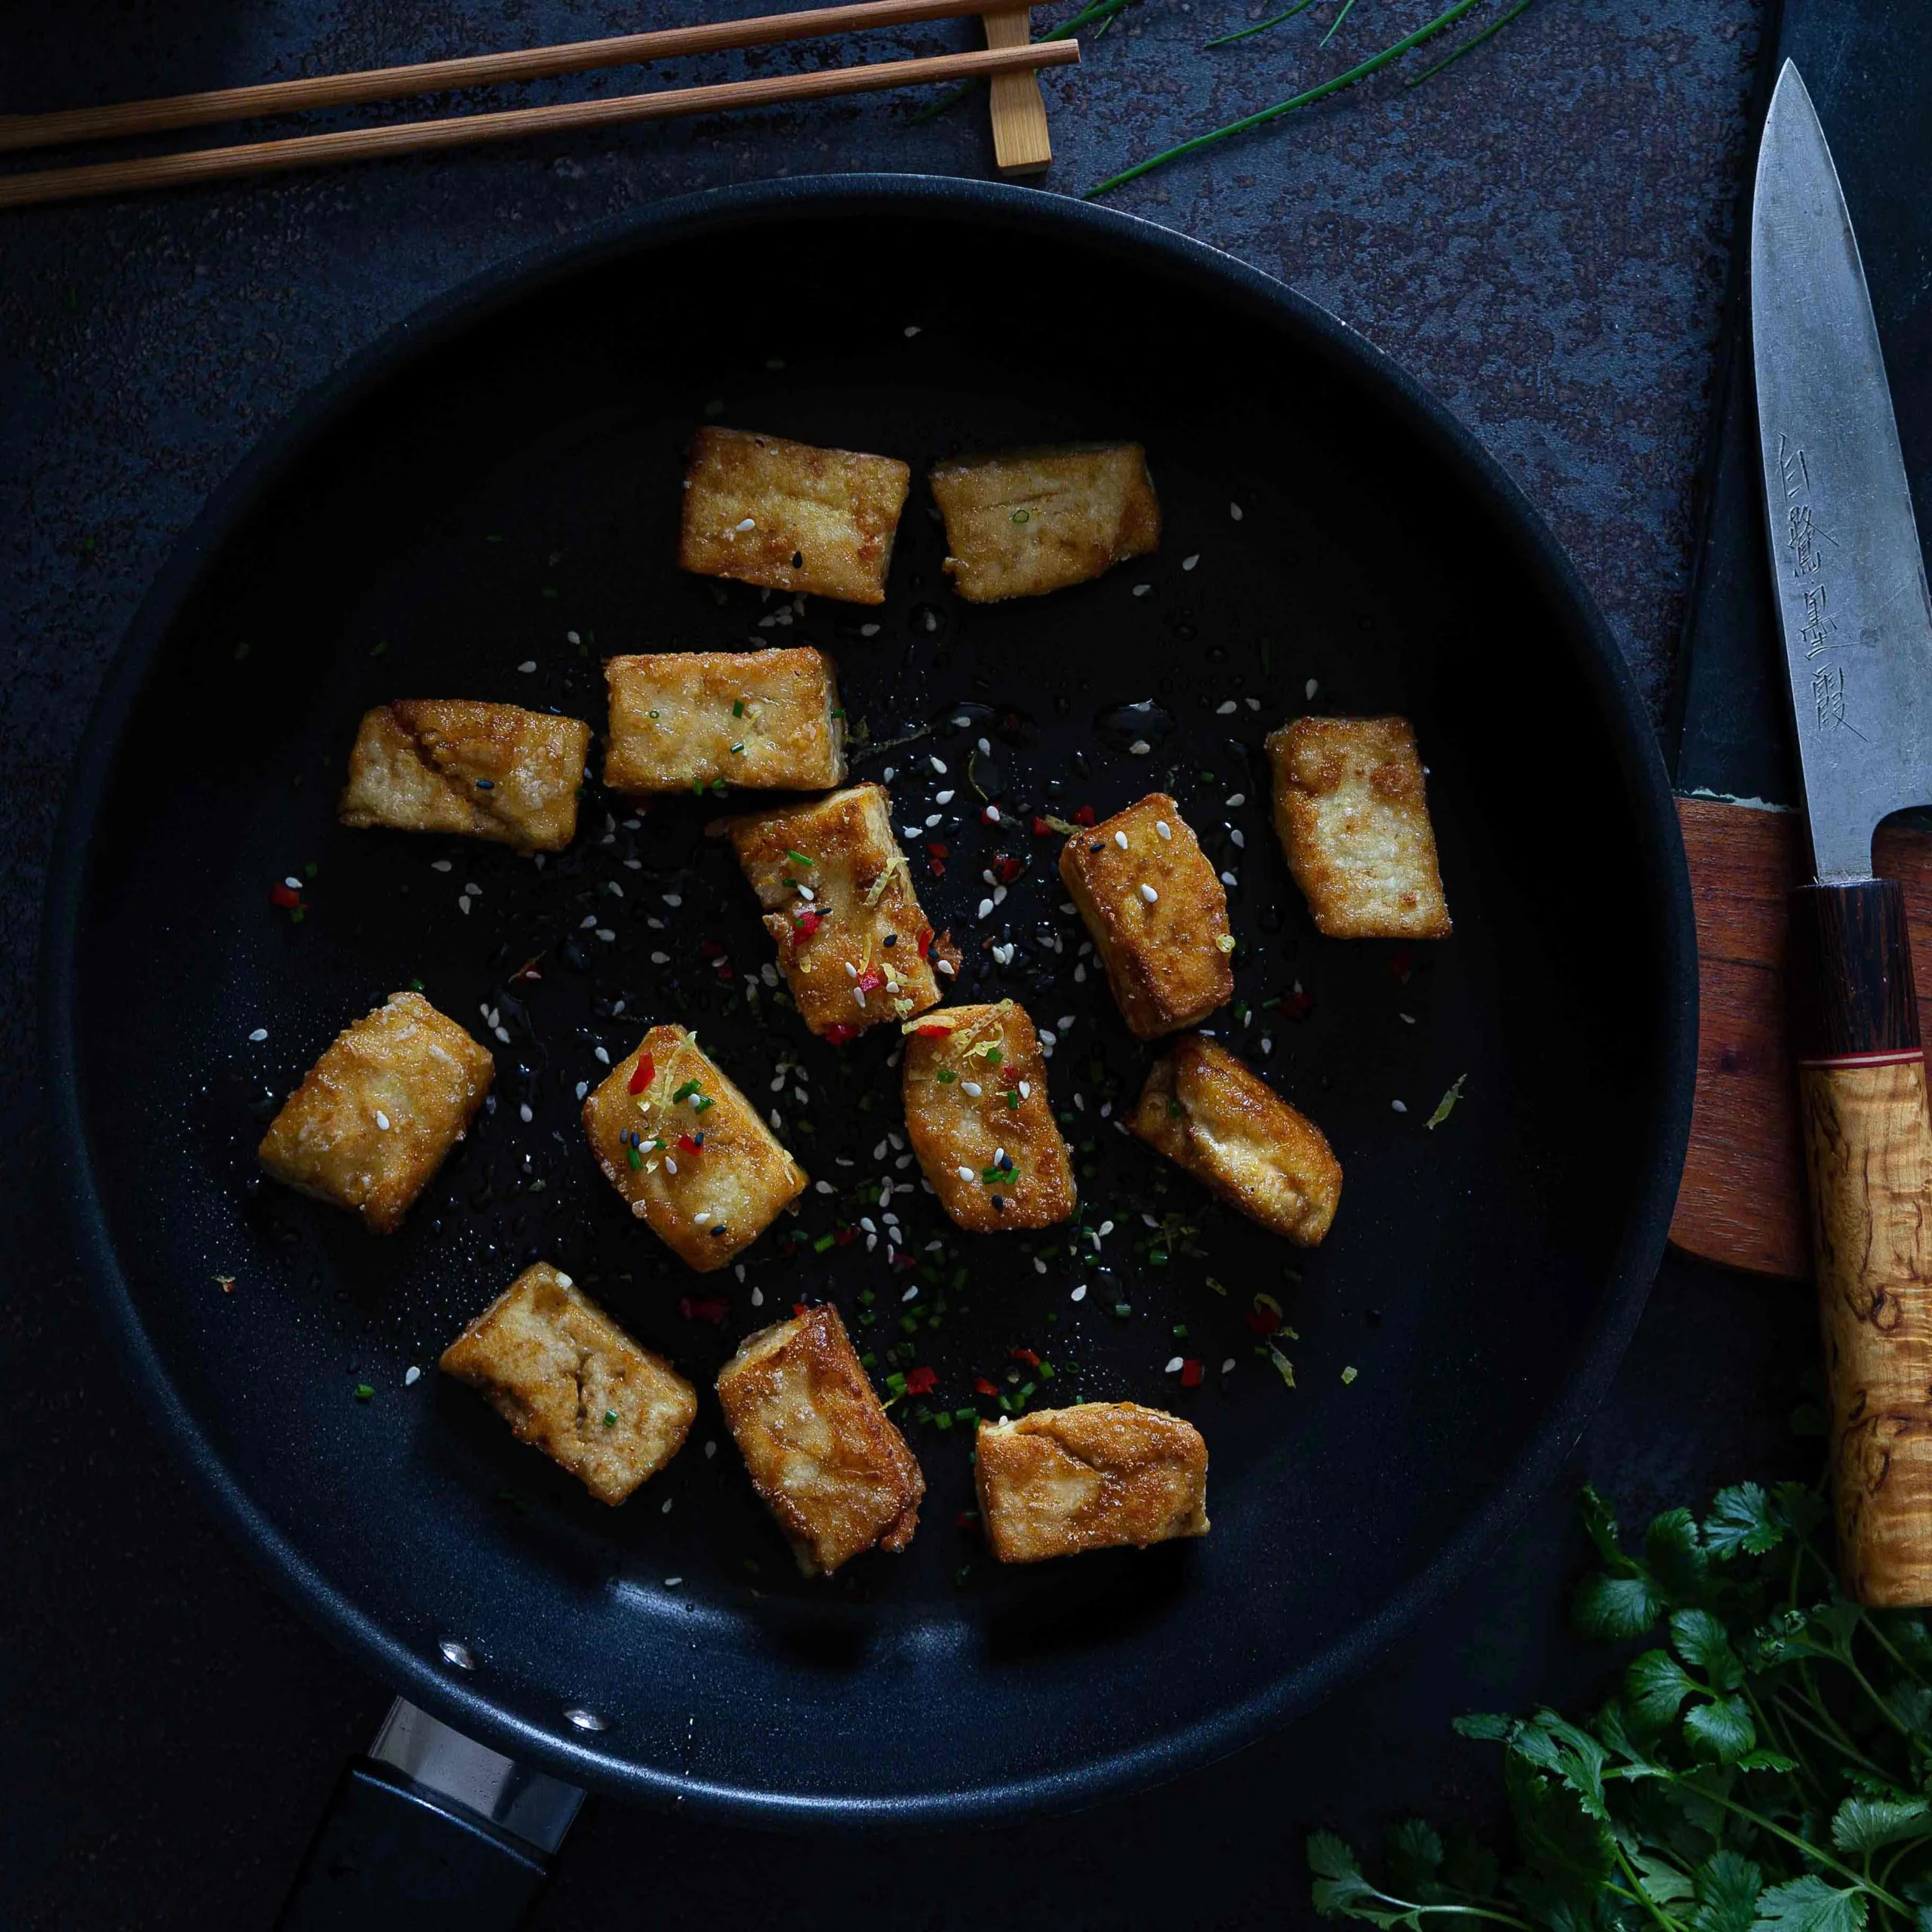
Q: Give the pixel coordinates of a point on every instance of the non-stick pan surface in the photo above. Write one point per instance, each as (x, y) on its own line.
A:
(484, 506)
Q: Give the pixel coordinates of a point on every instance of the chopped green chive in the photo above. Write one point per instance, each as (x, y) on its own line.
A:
(737, 707)
(824, 1242)
(797, 858)
(1023, 516)
(636, 1158)
(610, 1418)
(363, 1391)
(946, 1076)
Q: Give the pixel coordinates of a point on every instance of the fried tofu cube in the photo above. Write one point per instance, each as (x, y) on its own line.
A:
(975, 1089)
(374, 1117)
(766, 720)
(570, 1381)
(1023, 522)
(787, 515)
(688, 1151)
(1061, 1481)
(853, 942)
(821, 1450)
(1351, 811)
(452, 764)
(1158, 915)
(1210, 1114)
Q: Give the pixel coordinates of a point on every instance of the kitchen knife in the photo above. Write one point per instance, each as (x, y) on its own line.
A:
(1849, 585)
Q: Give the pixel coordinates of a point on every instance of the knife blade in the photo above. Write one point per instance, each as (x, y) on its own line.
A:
(1850, 578)
(1856, 621)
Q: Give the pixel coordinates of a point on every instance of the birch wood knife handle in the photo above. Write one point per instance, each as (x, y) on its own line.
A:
(1868, 1157)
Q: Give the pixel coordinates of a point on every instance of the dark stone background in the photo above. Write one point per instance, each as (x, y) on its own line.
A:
(1541, 234)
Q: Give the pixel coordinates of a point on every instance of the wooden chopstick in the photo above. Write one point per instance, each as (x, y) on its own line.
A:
(19, 131)
(170, 171)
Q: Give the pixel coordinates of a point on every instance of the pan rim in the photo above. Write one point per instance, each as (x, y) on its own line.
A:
(1599, 660)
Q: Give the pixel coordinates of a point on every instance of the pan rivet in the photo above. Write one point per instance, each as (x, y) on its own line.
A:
(459, 1654)
(584, 1720)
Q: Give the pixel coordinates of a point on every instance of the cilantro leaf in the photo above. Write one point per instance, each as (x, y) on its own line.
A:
(1568, 1853)
(1340, 1890)
(1726, 1887)
(1700, 1641)
(1662, 1880)
(1864, 1824)
(1414, 1857)
(1613, 1610)
(1657, 1685)
(1721, 1729)
(1810, 1904)
(1676, 1554)
(1741, 1519)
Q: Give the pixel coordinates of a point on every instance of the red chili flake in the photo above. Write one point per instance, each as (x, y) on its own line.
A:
(936, 850)
(688, 1144)
(1190, 1374)
(644, 1072)
(1084, 816)
(967, 1519)
(1401, 964)
(844, 1237)
(1262, 1321)
(797, 1308)
(283, 896)
(981, 1386)
(722, 968)
(936, 856)
(1027, 1356)
(808, 923)
(925, 941)
(710, 1309)
(900, 1259)
(839, 1035)
(934, 1032)
(1041, 827)
(870, 980)
(921, 1381)
(1006, 869)
(1297, 1005)
(711, 949)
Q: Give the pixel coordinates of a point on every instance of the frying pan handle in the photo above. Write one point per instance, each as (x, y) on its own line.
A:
(1868, 1156)
(391, 1855)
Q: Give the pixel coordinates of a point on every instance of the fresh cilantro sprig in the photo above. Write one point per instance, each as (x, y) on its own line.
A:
(1763, 1767)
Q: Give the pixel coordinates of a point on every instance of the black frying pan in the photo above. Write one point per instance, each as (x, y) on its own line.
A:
(504, 471)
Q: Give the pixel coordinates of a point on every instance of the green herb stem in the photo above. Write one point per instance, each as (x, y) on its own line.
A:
(1307, 97)
(1262, 27)
(1469, 46)
(1791, 1838)
(1639, 1894)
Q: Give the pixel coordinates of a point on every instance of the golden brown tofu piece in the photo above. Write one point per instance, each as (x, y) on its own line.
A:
(789, 516)
(683, 720)
(853, 942)
(688, 1151)
(451, 764)
(1023, 522)
(1157, 914)
(570, 1381)
(821, 1450)
(374, 1117)
(1210, 1114)
(1352, 813)
(975, 1088)
(1061, 1481)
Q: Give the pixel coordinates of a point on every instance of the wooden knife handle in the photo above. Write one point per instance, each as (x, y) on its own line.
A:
(1868, 1156)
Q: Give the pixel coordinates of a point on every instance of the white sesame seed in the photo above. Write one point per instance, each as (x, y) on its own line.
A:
(605, 934)
(529, 665)
(1227, 1366)
(582, 1088)
(661, 959)
(382, 1120)
(1188, 563)
(1119, 839)
(1107, 1227)
(667, 1501)
(1310, 687)
(868, 630)
(702, 1215)
(1236, 798)
(965, 1174)
(671, 1583)
(589, 920)
(1142, 589)
(1225, 709)
(1407, 1019)
(411, 1375)
(1253, 703)
(912, 329)
(945, 966)
(1047, 1039)
(1026, 1090)
(672, 899)
(1173, 1365)
(938, 765)
(571, 637)
(932, 821)
(1400, 1106)
(1234, 511)
(1039, 1266)
(440, 865)
(749, 523)
(824, 1186)
(523, 1110)
(463, 902)
(603, 1058)
(992, 813)
(912, 1293)
(985, 908)
(1139, 749)
(261, 1034)
(1229, 878)
(670, 1165)
(1163, 827)
(1239, 837)
(971, 1088)
(1079, 1294)
(943, 798)
(1148, 893)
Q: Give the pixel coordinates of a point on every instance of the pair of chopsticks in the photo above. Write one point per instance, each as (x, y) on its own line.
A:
(1010, 60)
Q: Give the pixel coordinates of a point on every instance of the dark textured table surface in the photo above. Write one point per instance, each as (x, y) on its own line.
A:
(1541, 234)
